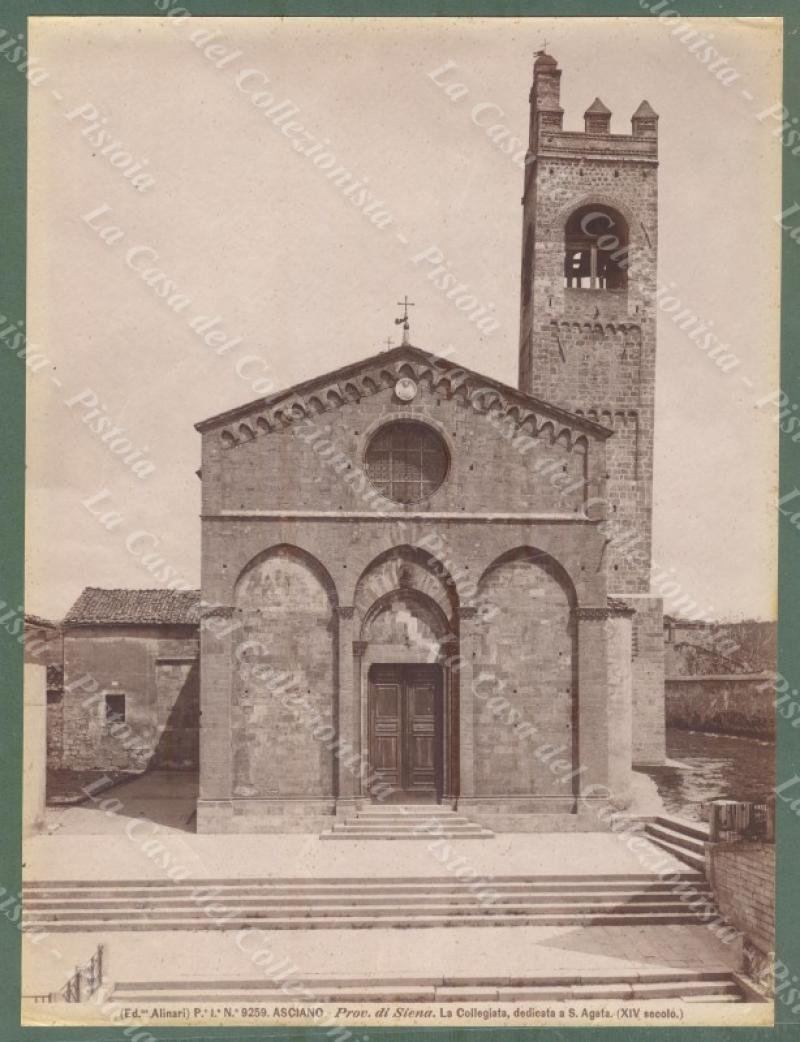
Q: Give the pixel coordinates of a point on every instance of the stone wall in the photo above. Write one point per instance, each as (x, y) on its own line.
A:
(317, 462)
(647, 675)
(620, 705)
(287, 654)
(55, 731)
(153, 667)
(724, 704)
(742, 877)
(526, 655)
(695, 648)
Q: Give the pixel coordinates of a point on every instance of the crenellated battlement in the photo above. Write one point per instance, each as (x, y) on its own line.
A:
(548, 139)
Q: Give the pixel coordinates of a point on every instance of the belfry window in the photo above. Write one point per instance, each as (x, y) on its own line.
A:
(406, 461)
(596, 249)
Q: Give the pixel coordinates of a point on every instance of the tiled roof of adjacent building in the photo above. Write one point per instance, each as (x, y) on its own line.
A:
(38, 620)
(135, 607)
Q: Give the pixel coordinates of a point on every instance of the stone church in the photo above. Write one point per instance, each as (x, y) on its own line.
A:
(420, 584)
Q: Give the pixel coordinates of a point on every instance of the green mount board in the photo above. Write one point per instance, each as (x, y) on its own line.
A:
(13, 15)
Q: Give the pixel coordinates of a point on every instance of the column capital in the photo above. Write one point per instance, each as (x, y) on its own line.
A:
(345, 611)
(359, 647)
(594, 613)
(467, 611)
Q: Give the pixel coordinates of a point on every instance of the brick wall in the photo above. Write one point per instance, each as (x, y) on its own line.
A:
(742, 876)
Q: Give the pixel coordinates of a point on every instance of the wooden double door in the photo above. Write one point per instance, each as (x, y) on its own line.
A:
(405, 731)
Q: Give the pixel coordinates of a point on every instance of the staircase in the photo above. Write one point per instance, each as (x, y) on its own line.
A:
(412, 821)
(359, 903)
(714, 985)
(685, 840)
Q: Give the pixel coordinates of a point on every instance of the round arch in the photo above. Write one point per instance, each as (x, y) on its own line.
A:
(596, 244)
(421, 606)
(407, 566)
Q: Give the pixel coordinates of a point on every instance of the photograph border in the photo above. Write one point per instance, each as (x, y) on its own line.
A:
(13, 173)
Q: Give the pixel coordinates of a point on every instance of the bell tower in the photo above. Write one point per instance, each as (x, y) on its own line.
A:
(588, 331)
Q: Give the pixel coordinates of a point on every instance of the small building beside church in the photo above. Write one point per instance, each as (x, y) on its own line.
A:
(419, 584)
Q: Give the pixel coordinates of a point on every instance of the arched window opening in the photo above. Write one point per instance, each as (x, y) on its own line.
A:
(596, 249)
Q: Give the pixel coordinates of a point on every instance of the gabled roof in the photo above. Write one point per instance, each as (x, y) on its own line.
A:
(100, 607)
(373, 374)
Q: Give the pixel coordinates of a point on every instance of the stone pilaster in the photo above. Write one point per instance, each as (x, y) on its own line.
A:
(468, 623)
(347, 733)
(217, 641)
(592, 699)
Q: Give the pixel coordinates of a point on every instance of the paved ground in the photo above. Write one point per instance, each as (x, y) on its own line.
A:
(161, 806)
(463, 951)
(136, 856)
(167, 798)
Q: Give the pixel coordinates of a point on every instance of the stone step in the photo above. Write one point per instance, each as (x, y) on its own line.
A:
(405, 809)
(362, 834)
(623, 898)
(721, 987)
(633, 975)
(695, 829)
(561, 878)
(378, 911)
(110, 925)
(419, 822)
(388, 815)
(679, 839)
(425, 827)
(368, 891)
(681, 853)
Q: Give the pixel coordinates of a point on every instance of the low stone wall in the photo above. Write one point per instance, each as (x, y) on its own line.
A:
(55, 733)
(742, 876)
(735, 703)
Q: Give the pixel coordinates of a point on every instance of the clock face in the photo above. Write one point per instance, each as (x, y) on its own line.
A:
(405, 389)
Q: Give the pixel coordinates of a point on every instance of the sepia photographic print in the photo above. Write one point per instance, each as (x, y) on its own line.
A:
(400, 620)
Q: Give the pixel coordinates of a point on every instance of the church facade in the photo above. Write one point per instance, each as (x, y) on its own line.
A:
(420, 585)
(422, 582)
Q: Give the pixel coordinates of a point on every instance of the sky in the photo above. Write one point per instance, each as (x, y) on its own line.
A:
(244, 234)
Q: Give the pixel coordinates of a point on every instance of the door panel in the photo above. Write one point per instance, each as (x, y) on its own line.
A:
(385, 732)
(405, 720)
(421, 732)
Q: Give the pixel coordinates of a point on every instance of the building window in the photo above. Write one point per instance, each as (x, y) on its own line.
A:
(115, 709)
(596, 249)
(406, 461)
